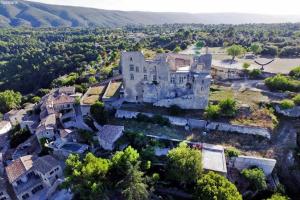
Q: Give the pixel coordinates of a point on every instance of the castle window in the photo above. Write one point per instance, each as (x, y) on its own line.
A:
(154, 78)
(131, 59)
(137, 69)
(145, 78)
(202, 81)
(145, 70)
(131, 68)
(181, 79)
(172, 79)
(131, 77)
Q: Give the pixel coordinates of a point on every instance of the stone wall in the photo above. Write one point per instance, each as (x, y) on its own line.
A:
(244, 162)
(293, 112)
(203, 124)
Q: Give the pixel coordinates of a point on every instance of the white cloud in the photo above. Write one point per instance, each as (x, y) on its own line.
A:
(286, 7)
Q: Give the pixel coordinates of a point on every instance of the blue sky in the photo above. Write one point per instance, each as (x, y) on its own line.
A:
(274, 7)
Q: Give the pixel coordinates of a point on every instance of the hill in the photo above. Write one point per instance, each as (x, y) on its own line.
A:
(32, 14)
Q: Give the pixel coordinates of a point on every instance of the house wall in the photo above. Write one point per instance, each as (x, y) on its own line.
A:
(6, 128)
(245, 162)
(4, 195)
(47, 133)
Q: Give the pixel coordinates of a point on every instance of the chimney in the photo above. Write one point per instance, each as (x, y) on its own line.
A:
(206, 49)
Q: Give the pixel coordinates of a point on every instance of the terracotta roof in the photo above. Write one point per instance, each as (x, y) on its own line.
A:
(18, 167)
(110, 133)
(62, 99)
(48, 121)
(45, 164)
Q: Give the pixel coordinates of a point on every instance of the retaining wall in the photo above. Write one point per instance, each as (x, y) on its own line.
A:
(202, 124)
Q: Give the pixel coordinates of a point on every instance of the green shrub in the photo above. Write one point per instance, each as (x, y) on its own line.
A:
(296, 99)
(278, 196)
(286, 104)
(156, 119)
(232, 152)
(212, 111)
(282, 83)
(256, 177)
(295, 72)
(228, 107)
(255, 73)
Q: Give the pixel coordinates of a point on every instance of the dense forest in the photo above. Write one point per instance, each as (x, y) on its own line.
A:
(31, 59)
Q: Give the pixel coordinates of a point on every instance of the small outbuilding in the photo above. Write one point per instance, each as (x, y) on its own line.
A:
(108, 135)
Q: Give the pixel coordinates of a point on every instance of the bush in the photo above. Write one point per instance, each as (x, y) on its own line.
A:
(19, 136)
(286, 104)
(282, 83)
(232, 152)
(278, 197)
(270, 50)
(256, 177)
(228, 107)
(296, 99)
(212, 112)
(295, 72)
(255, 73)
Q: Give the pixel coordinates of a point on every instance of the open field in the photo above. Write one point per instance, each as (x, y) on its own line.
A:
(279, 65)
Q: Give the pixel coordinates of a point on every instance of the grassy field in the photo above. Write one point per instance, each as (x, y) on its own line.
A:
(249, 97)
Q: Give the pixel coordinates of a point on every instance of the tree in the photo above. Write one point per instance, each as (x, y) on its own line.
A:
(278, 196)
(228, 107)
(256, 177)
(184, 164)
(9, 99)
(235, 50)
(213, 186)
(270, 50)
(212, 111)
(122, 160)
(256, 48)
(99, 113)
(133, 185)
(87, 179)
(199, 44)
(35, 99)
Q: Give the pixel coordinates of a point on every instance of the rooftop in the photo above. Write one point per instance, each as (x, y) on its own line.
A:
(62, 99)
(45, 164)
(92, 95)
(213, 158)
(110, 133)
(18, 167)
(112, 89)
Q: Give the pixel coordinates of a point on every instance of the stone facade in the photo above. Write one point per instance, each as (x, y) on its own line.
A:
(168, 79)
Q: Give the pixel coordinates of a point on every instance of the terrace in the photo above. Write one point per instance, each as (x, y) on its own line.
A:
(92, 95)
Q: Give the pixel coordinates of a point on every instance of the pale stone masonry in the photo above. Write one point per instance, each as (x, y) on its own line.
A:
(168, 79)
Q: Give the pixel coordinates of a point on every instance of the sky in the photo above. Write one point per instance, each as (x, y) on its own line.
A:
(271, 7)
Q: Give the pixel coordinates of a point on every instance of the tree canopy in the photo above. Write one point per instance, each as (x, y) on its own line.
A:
(9, 99)
(184, 164)
(213, 186)
(256, 177)
(235, 50)
(99, 113)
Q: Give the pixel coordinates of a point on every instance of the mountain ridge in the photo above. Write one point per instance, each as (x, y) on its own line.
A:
(33, 14)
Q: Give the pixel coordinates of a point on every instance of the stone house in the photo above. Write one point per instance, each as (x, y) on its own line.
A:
(30, 179)
(15, 116)
(108, 135)
(3, 190)
(168, 79)
(47, 127)
(92, 95)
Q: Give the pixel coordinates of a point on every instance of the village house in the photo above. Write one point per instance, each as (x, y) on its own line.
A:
(15, 116)
(92, 95)
(47, 127)
(32, 178)
(108, 135)
(3, 190)
(168, 79)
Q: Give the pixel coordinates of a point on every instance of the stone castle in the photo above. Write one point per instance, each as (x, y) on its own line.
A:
(168, 79)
